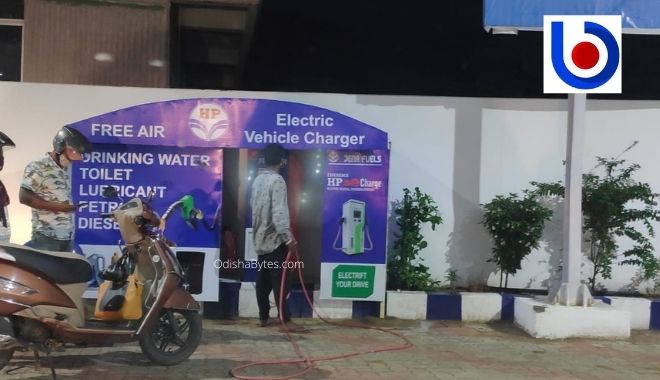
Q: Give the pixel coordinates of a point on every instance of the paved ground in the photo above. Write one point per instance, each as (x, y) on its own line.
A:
(443, 350)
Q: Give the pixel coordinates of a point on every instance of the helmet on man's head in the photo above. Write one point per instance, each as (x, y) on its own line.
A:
(69, 137)
(6, 142)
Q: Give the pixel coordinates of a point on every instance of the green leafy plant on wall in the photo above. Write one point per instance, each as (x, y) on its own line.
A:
(405, 269)
(614, 205)
(516, 226)
(452, 277)
(652, 287)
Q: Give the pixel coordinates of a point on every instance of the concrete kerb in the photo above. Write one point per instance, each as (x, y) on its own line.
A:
(239, 300)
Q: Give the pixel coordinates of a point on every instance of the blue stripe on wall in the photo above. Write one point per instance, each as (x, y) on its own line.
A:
(366, 309)
(655, 315)
(508, 303)
(229, 299)
(443, 307)
(227, 305)
(249, 274)
(298, 305)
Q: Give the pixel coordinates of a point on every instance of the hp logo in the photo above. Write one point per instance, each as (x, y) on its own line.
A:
(582, 54)
(208, 122)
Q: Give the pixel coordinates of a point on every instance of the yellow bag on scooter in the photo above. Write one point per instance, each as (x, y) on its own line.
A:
(120, 303)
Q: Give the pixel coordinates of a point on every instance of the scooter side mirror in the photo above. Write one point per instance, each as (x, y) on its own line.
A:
(109, 192)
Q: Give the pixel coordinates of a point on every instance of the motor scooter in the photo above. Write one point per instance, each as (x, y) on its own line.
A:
(41, 306)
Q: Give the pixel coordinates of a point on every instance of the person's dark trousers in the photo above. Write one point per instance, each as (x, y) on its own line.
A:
(45, 243)
(269, 277)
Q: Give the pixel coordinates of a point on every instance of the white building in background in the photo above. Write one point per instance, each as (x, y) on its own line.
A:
(461, 151)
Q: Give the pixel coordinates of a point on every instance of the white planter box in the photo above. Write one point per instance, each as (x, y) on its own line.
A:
(543, 320)
(247, 302)
(332, 309)
(481, 307)
(406, 304)
(639, 308)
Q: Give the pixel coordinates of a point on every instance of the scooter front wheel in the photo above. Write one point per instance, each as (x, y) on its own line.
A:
(173, 338)
(5, 357)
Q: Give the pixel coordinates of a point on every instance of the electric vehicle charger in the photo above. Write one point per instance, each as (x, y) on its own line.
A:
(353, 228)
(303, 358)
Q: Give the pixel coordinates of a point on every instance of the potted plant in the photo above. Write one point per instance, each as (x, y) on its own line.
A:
(516, 226)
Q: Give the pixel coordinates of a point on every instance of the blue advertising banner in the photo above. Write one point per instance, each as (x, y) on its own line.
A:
(136, 171)
(355, 220)
(245, 123)
(167, 174)
(174, 148)
(638, 16)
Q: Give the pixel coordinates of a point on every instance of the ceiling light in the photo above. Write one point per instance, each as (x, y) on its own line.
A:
(103, 57)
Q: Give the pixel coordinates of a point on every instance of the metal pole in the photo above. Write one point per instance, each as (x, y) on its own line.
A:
(572, 292)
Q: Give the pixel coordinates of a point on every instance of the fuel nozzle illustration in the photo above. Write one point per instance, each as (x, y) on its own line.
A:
(353, 228)
(191, 214)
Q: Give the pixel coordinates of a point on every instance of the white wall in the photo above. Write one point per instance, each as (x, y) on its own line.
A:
(462, 151)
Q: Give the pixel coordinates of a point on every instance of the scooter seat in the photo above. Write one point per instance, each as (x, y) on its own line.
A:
(60, 267)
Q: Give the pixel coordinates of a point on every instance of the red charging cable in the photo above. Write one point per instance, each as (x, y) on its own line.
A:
(303, 358)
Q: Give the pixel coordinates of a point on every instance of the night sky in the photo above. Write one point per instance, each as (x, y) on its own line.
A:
(411, 47)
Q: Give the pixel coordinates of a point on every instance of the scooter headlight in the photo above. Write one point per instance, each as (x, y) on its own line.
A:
(10, 286)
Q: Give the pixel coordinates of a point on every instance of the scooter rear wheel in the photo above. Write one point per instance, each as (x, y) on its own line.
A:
(173, 338)
(5, 357)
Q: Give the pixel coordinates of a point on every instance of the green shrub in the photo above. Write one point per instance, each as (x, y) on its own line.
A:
(516, 226)
(613, 204)
(404, 266)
